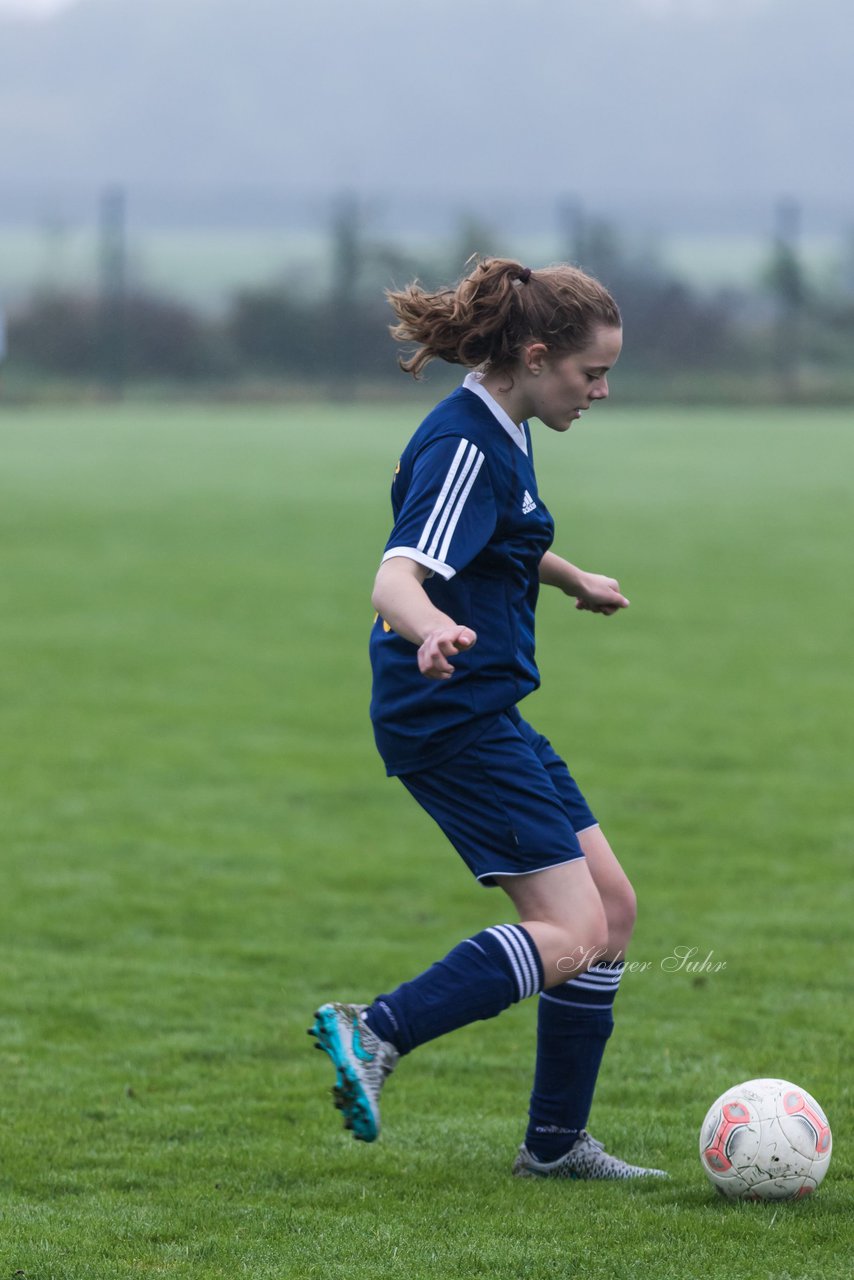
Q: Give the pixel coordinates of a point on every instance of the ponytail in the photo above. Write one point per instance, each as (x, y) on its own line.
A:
(495, 310)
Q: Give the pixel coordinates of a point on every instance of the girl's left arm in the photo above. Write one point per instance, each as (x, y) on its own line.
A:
(592, 591)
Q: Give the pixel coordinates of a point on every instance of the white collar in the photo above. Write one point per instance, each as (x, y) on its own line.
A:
(472, 382)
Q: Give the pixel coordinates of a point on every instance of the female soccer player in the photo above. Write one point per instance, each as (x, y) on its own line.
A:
(452, 651)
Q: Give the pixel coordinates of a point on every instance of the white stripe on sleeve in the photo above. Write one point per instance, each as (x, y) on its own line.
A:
(449, 505)
(452, 523)
(440, 501)
(452, 497)
(412, 553)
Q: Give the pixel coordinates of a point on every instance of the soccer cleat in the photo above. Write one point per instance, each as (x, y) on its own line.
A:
(587, 1158)
(362, 1063)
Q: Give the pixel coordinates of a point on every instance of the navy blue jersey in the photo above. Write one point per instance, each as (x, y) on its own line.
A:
(466, 506)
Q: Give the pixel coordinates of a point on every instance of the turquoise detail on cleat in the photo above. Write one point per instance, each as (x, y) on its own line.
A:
(358, 1048)
(362, 1064)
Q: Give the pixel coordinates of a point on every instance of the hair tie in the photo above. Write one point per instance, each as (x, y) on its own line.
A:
(524, 275)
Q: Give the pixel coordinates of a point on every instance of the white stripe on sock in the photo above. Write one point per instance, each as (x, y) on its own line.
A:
(519, 952)
(533, 960)
(599, 977)
(595, 982)
(511, 956)
(570, 1004)
(529, 969)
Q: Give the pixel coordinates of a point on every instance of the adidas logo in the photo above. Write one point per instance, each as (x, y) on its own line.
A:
(528, 504)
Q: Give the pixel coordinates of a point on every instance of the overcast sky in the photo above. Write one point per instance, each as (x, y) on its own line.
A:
(662, 111)
(33, 8)
(699, 8)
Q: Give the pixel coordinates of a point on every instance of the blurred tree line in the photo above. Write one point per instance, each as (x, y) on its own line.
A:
(783, 339)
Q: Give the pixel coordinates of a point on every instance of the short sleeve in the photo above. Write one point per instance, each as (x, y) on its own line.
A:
(449, 512)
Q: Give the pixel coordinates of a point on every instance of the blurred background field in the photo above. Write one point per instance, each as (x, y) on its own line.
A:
(204, 267)
(111, 310)
(207, 200)
(200, 845)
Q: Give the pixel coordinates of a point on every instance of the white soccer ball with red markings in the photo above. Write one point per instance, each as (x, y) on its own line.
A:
(765, 1140)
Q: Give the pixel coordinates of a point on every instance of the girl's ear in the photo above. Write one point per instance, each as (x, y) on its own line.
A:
(534, 357)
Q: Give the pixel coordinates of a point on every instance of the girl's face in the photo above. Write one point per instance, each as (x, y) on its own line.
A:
(560, 388)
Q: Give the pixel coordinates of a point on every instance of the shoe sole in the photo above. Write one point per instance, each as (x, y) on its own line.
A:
(525, 1167)
(347, 1092)
(525, 1171)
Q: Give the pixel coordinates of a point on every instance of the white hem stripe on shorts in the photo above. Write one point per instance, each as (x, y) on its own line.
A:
(499, 871)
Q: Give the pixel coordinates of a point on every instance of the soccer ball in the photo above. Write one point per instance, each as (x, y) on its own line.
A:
(765, 1140)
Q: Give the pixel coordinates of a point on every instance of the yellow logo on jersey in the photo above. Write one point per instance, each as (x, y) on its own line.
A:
(386, 627)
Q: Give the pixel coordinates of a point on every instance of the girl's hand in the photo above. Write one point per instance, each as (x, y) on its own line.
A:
(598, 594)
(440, 645)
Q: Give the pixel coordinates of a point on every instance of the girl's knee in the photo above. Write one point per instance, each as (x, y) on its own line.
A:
(582, 948)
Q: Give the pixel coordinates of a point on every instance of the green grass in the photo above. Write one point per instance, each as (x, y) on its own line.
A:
(199, 846)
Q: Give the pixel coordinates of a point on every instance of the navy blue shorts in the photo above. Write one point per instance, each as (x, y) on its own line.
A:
(507, 803)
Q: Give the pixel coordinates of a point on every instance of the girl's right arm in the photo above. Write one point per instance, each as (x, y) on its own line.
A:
(401, 601)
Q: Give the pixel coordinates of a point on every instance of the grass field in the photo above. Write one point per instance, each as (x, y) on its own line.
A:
(200, 846)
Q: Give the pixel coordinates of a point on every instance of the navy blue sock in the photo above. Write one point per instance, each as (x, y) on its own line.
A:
(479, 978)
(573, 1025)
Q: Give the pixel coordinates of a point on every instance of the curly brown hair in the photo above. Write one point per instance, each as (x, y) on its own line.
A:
(485, 320)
